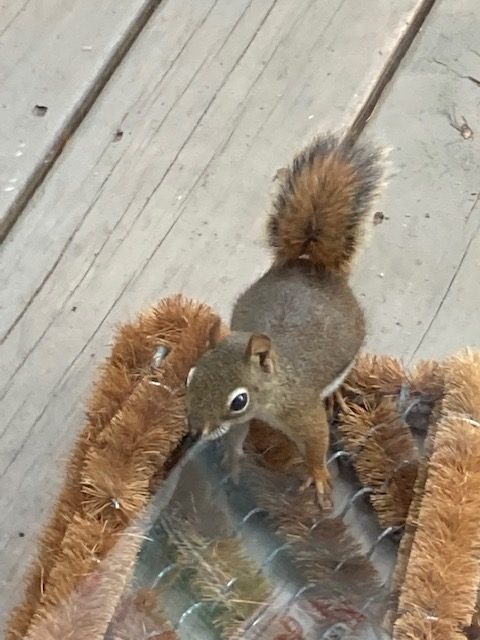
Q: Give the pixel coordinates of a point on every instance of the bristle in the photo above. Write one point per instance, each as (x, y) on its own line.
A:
(375, 375)
(406, 542)
(84, 613)
(441, 580)
(462, 385)
(112, 389)
(135, 421)
(439, 593)
(128, 362)
(85, 541)
(423, 402)
(139, 616)
(427, 379)
(276, 450)
(321, 548)
(222, 574)
(118, 469)
(384, 455)
(48, 549)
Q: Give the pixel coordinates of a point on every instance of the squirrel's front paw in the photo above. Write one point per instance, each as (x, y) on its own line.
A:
(323, 486)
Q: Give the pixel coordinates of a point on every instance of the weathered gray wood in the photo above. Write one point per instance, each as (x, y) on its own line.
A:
(54, 55)
(209, 107)
(455, 321)
(420, 276)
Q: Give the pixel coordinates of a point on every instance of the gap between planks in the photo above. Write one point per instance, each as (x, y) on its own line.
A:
(390, 68)
(38, 176)
(16, 208)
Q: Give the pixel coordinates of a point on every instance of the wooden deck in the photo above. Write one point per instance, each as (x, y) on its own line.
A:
(138, 144)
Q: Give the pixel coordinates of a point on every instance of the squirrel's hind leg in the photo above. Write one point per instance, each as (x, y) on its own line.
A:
(233, 449)
(313, 429)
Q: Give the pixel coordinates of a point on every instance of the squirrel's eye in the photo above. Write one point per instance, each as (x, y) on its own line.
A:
(238, 400)
(190, 375)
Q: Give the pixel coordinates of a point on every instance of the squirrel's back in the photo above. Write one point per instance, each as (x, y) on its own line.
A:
(304, 302)
(316, 325)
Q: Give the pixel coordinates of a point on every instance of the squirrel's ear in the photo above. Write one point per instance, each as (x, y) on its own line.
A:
(215, 333)
(260, 346)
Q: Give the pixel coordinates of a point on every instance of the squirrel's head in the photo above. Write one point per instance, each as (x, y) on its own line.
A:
(229, 383)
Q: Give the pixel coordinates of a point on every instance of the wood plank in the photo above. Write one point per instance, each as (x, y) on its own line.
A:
(209, 109)
(454, 324)
(54, 58)
(420, 276)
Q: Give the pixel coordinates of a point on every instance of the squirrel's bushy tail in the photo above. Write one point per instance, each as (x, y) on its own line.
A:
(323, 201)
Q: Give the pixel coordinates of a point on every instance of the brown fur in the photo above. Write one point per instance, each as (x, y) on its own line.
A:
(322, 203)
(133, 428)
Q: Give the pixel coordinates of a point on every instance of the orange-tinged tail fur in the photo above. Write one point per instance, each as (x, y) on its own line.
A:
(324, 199)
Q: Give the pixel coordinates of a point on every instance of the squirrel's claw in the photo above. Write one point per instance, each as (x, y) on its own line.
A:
(341, 401)
(323, 488)
(324, 494)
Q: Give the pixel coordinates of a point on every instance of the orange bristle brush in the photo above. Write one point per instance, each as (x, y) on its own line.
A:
(135, 422)
(439, 594)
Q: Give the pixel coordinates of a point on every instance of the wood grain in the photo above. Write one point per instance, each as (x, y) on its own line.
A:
(420, 278)
(55, 57)
(210, 108)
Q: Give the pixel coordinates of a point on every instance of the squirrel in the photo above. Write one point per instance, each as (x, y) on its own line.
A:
(296, 331)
